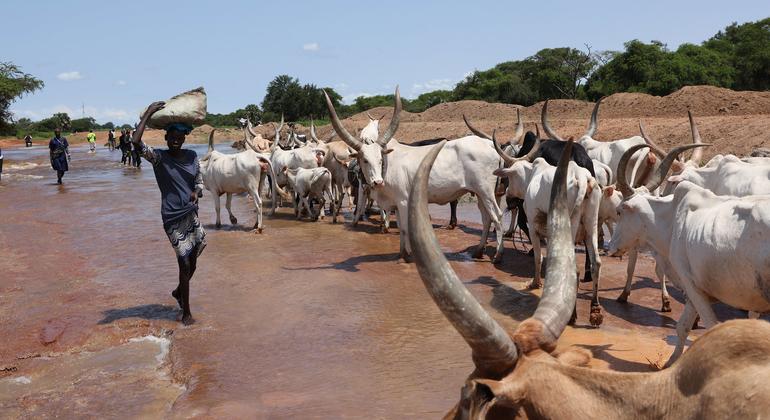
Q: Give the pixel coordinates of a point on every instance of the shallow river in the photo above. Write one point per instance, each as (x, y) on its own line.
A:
(305, 320)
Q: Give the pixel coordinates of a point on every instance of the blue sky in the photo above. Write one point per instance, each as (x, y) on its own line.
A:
(116, 57)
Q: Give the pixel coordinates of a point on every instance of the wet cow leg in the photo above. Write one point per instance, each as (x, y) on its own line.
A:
(453, 215)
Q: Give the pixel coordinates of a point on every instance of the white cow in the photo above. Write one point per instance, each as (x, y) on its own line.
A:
(303, 157)
(313, 183)
(336, 160)
(532, 182)
(237, 173)
(464, 165)
(608, 152)
(714, 246)
(260, 143)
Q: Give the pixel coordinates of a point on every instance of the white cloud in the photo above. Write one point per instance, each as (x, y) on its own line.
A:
(69, 76)
(432, 85)
(313, 46)
(121, 83)
(341, 86)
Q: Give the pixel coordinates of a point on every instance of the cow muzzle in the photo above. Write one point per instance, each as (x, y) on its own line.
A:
(377, 183)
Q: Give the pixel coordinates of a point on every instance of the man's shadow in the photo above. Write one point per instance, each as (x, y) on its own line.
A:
(152, 311)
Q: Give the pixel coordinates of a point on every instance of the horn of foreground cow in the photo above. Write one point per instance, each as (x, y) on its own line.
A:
(547, 127)
(494, 353)
(660, 174)
(476, 131)
(653, 146)
(393, 127)
(517, 135)
(348, 138)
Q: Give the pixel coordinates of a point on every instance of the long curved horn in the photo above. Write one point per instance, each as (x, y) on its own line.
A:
(537, 131)
(250, 128)
(370, 116)
(653, 146)
(519, 133)
(560, 292)
(211, 140)
(697, 154)
(393, 121)
(493, 351)
(312, 131)
(475, 130)
(277, 139)
(339, 128)
(623, 186)
(594, 124)
(509, 160)
(665, 165)
(544, 119)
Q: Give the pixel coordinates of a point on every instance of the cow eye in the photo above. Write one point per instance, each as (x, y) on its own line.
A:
(365, 161)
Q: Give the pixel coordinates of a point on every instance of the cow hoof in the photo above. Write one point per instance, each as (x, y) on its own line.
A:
(233, 220)
(623, 298)
(218, 225)
(666, 306)
(508, 235)
(587, 279)
(695, 323)
(497, 259)
(384, 229)
(531, 253)
(259, 230)
(406, 257)
(451, 226)
(596, 317)
(535, 285)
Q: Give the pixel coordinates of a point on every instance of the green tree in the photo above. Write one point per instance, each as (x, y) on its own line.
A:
(747, 49)
(429, 99)
(14, 84)
(284, 96)
(83, 124)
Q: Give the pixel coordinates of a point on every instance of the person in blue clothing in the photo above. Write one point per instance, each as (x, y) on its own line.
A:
(177, 172)
(60, 154)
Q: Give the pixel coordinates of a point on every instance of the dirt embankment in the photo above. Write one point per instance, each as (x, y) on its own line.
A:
(734, 121)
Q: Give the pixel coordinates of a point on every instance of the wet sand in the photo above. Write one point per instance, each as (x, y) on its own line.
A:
(306, 320)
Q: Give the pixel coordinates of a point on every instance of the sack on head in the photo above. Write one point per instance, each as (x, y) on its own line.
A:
(188, 108)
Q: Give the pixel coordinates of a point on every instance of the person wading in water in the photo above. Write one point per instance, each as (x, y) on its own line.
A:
(177, 172)
(60, 154)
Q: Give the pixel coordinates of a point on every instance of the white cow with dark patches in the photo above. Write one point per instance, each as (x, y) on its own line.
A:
(309, 184)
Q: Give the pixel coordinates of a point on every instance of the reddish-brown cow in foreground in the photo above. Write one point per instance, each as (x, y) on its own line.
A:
(723, 375)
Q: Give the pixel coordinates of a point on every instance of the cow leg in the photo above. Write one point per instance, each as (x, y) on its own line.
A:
(452, 214)
(664, 297)
(361, 200)
(495, 217)
(258, 205)
(385, 215)
(217, 208)
(535, 238)
(228, 202)
(683, 327)
(321, 204)
(485, 222)
(509, 233)
(630, 267)
(405, 249)
(592, 249)
(588, 272)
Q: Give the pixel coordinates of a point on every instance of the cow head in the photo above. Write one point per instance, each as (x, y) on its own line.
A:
(370, 156)
(635, 208)
(515, 169)
(502, 371)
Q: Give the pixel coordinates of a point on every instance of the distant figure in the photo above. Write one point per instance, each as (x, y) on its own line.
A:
(135, 159)
(28, 140)
(60, 154)
(125, 147)
(91, 137)
(111, 139)
(1, 164)
(179, 179)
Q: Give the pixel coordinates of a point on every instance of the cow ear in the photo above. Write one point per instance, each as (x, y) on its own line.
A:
(675, 178)
(386, 151)
(608, 190)
(502, 172)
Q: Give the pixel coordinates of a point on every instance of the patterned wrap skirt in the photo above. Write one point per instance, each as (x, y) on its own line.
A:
(186, 234)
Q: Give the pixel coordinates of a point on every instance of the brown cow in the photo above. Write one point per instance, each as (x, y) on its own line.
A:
(723, 375)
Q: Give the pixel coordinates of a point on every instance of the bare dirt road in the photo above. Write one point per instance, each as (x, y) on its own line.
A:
(305, 320)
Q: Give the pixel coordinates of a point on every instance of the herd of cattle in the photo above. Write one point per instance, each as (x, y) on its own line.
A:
(704, 223)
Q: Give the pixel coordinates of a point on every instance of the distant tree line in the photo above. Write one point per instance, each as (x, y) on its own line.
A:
(737, 57)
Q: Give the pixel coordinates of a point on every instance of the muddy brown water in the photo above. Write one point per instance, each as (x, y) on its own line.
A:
(305, 320)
